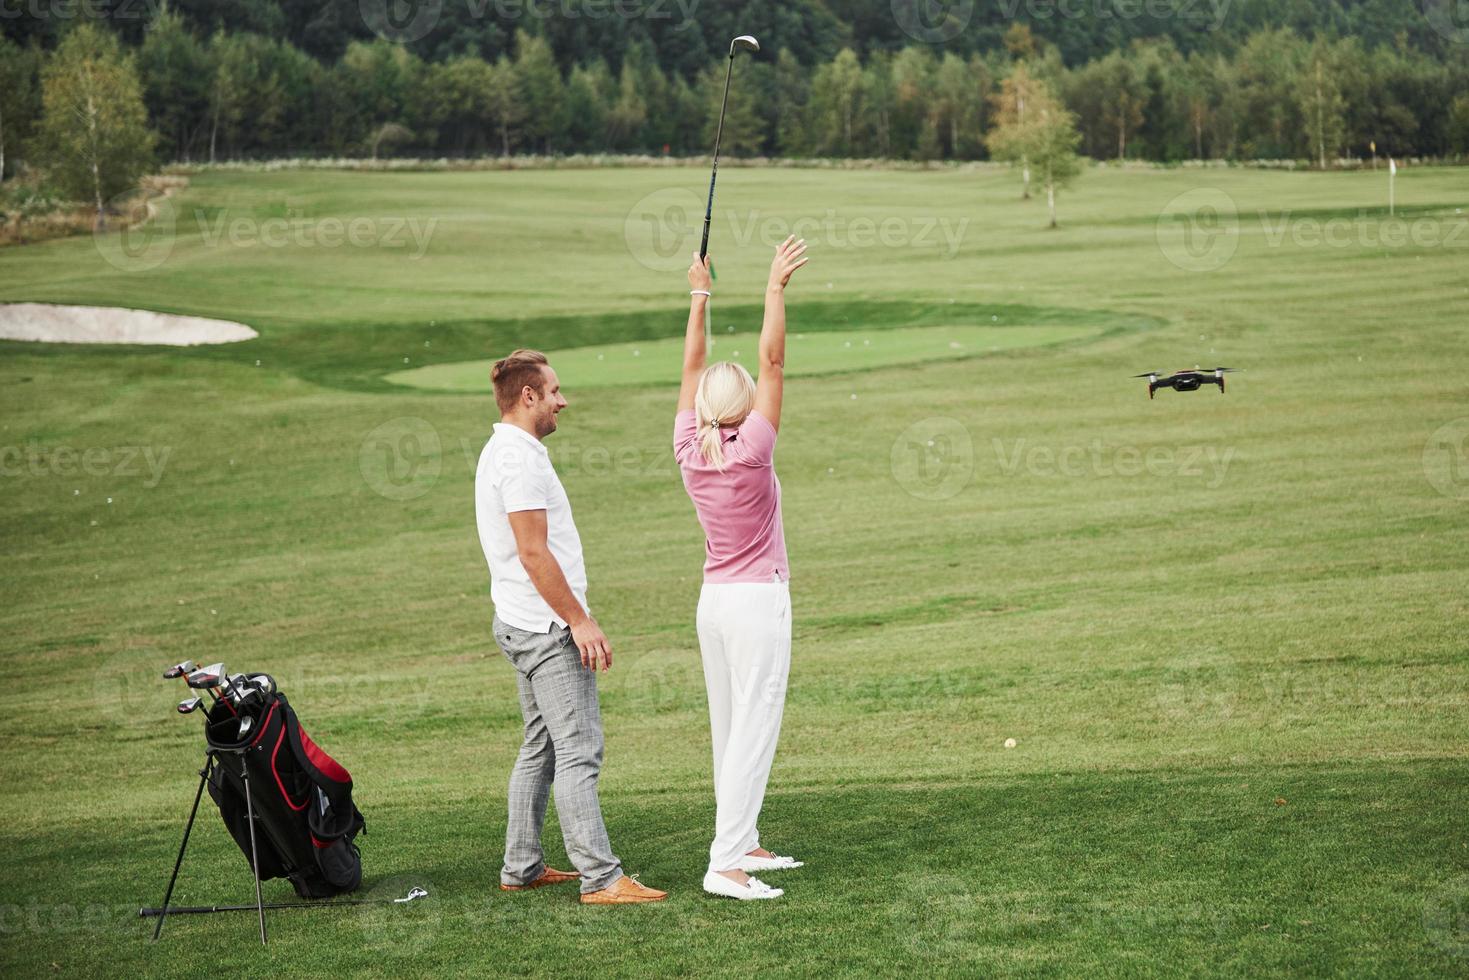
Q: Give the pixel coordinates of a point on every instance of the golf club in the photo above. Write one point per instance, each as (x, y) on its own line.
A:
(208, 679)
(190, 706)
(749, 43)
(414, 894)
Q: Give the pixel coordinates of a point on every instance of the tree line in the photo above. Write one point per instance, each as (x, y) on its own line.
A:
(243, 95)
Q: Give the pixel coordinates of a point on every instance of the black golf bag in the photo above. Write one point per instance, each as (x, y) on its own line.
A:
(305, 820)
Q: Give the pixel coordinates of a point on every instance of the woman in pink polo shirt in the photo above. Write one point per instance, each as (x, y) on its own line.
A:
(724, 440)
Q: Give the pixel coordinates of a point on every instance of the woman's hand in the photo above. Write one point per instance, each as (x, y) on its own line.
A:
(790, 255)
(699, 273)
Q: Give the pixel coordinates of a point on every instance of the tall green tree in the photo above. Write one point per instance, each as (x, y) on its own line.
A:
(629, 113)
(507, 110)
(176, 73)
(836, 104)
(1322, 108)
(587, 108)
(879, 100)
(454, 110)
(744, 130)
(913, 69)
(1044, 137)
(788, 104)
(542, 91)
(20, 98)
(93, 135)
(1053, 152)
(1015, 104)
(1122, 96)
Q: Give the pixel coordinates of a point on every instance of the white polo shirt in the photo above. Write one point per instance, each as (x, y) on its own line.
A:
(515, 474)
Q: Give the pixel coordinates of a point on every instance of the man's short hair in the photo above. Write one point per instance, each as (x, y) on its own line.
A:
(512, 374)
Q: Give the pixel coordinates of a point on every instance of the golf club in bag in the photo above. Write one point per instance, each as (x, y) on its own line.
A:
(287, 804)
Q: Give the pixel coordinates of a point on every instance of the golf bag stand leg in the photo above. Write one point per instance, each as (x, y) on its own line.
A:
(254, 853)
(188, 828)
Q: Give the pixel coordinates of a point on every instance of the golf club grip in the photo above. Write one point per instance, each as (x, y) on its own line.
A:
(704, 245)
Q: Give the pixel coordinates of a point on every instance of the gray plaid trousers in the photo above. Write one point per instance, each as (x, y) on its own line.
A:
(562, 747)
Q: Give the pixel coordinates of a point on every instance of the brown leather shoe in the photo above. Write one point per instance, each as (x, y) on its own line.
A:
(624, 891)
(548, 877)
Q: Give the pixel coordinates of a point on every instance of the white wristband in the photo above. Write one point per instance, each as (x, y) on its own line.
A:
(698, 292)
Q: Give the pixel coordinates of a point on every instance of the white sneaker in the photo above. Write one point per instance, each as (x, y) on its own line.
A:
(717, 884)
(750, 863)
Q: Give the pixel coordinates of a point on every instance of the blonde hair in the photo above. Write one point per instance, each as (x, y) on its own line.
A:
(725, 396)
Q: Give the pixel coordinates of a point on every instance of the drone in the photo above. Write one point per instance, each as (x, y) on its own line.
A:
(1186, 380)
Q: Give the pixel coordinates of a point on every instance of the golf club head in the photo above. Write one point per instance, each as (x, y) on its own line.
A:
(206, 677)
(246, 724)
(190, 706)
(248, 690)
(234, 688)
(179, 670)
(746, 41)
(264, 682)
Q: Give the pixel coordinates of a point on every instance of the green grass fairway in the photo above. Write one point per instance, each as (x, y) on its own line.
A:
(1226, 631)
(831, 352)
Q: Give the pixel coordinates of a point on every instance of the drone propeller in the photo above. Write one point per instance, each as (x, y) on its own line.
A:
(1149, 374)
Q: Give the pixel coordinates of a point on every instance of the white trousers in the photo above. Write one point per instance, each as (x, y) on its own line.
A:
(745, 638)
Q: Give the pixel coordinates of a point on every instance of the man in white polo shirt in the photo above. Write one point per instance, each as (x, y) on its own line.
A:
(538, 582)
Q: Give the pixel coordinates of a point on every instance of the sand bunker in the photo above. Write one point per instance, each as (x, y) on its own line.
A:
(113, 325)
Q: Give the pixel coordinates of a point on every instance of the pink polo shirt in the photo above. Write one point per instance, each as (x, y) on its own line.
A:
(739, 508)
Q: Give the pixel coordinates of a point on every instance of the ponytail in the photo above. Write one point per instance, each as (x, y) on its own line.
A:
(725, 395)
(711, 445)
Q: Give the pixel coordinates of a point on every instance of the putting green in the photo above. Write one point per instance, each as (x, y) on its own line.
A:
(825, 352)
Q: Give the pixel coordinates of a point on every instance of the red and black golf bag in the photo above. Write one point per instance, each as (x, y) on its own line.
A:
(305, 820)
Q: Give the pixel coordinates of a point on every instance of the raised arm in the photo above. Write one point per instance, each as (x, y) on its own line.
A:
(770, 387)
(694, 353)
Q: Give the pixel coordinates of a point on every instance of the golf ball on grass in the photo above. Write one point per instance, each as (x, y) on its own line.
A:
(1010, 743)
